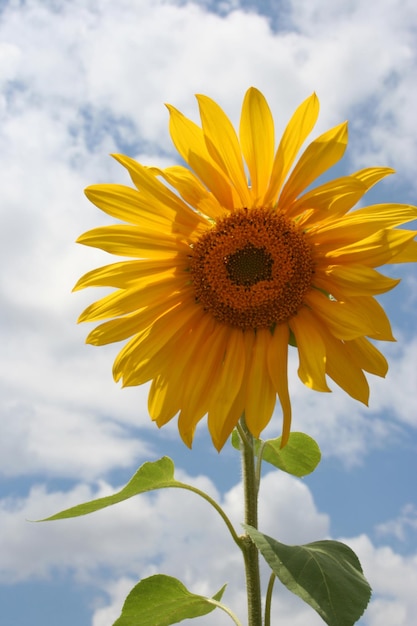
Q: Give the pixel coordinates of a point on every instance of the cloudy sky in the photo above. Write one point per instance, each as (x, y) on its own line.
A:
(81, 79)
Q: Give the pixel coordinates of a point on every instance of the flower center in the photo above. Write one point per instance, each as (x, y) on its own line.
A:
(252, 269)
(249, 265)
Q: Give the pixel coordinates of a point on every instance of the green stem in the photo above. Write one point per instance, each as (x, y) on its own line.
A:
(250, 551)
(226, 610)
(218, 508)
(268, 600)
(259, 464)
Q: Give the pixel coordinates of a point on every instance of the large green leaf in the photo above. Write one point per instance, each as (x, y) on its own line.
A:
(299, 457)
(162, 600)
(151, 475)
(325, 574)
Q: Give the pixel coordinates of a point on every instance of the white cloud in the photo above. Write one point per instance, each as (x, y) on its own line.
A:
(61, 442)
(116, 592)
(176, 533)
(393, 578)
(126, 58)
(365, 58)
(397, 395)
(401, 526)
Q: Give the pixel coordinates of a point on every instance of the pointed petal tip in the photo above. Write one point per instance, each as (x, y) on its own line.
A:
(218, 439)
(286, 430)
(91, 338)
(89, 192)
(218, 445)
(82, 318)
(171, 108)
(254, 90)
(187, 437)
(342, 129)
(80, 239)
(284, 440)
(313, 101)
(117, 376)
(120, 158)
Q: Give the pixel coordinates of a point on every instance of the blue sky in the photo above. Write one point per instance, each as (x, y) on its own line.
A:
(81, 79)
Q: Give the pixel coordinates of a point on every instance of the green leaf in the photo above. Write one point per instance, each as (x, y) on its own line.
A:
(325, 574)
(162, 600)
(299, 457)
(151, 475)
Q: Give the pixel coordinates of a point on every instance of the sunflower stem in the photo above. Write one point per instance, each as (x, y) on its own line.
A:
(250, 551)
(268, 600)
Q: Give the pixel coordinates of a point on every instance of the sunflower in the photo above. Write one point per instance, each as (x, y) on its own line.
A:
(235, 258)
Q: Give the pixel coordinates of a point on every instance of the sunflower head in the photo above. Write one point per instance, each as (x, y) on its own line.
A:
(229, 258)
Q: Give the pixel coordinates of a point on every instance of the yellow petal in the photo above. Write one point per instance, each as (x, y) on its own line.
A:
(311, 350)
(366, 356)
(329, 200)
(260, 392)
(156, 193)
(207, 362)
(257, 140)
(345, 320)
(376, 316)
(363, 223)
(277, 359)
(201, 382)
(154, 343)
(219, 437)
(377, 249)
(142, 209)
(116, 330)
(318, 157)
(229, 383)
(163, 399)
(192, 191)
(298, 129)
(189, 140)
(126, 273)
(152, 353)
(408, 254)
(353, 280)
(167, 395)
(372, 175)
(144, 293)
(128, 325)
(344, 371)
(124, 203)
(221, 431)
(133, 241)
(223, 146)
